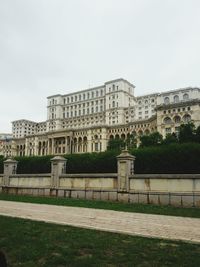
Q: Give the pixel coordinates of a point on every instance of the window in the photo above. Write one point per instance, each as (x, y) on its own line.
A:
(185, 97)
(113, 104)
(176, 99)
(177, 119)
(168, 130)
(166, 100)
(177, 130)
(96, 146)
(167, 120)
(186, 118)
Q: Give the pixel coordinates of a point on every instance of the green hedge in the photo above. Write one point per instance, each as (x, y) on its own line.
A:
(76, 163)
(1, 164)
(174, 158)
(34, 164)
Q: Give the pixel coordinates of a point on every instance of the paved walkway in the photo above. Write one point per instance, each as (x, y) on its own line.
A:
(159, 226)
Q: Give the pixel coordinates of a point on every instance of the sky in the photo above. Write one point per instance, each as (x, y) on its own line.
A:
(52, 47)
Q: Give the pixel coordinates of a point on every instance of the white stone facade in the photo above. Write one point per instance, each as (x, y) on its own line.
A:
(84, 121)
(5, 144)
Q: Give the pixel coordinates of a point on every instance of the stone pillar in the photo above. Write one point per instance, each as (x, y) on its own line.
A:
(13, 149)
(58, 167)
(10, 168)
(36, 147)
(125, 167)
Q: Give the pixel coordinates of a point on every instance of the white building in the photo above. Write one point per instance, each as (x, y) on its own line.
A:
(84, 121)
(5, 144)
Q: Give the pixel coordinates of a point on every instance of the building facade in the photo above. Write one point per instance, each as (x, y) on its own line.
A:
(86, 120)
(5, 144)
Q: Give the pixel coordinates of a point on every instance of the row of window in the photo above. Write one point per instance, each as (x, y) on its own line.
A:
(176, 110)
(176, 98)
(146, 101)
(82, 97)
(177, 119)
(82, 112)
(169, 130)
(97, 102)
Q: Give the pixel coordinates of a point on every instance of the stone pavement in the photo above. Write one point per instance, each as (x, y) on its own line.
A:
(159, 226)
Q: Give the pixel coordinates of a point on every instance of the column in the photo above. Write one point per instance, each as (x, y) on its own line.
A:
(58, 167)
(10, 168)
(125, 167)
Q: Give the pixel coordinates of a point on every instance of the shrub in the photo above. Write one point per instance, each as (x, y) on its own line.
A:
(1, 163)
(173, 158)
(104, 162)
(34, 164)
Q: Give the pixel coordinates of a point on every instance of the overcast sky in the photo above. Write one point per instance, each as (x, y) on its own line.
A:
(59, 46)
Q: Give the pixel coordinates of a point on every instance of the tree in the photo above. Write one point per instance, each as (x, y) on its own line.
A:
(153, 139)
(131, 141)
(116, 144)
(170, 139)
(197, 139)
(187, 133)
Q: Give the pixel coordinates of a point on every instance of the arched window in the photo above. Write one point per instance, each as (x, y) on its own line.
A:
(166, 100)
(177, 119)
(176, 99)
(167, 120)
(185, 97)
(186, 118)
(123, 136)
(116, 136)
(140, 133)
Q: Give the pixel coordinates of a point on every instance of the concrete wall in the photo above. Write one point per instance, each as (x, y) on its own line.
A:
(161, 189)
(30, 180)
(178, 183)
(88, 181)
(165, 189)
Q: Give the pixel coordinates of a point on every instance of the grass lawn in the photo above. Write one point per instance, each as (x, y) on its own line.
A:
(28, 244)
(97, 204)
